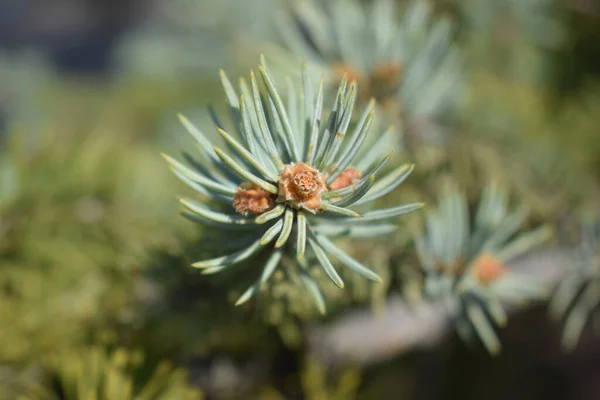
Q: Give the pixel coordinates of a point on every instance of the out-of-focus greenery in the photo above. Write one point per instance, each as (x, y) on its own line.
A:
(93, 373)
(78, 215)
(464, 258)
(93, 254)
(577, 296)
(318, 383)
(25, 77)
(192, 39)
(97, 373)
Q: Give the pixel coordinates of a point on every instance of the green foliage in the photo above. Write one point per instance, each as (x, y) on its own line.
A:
(544, 157)
(405, 59)
(317, 383)
(512, 38)
(190, 316)
(465, 260)
(289, 309)
(94, 374)
(26, 383)
(75, 224)
(25, 75)
(188, 39)
(292, 163)
(577, 296)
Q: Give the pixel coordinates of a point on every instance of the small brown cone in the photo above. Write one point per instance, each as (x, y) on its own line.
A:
(348, 177)
(301, 186)
(251, 199)
(487, 268)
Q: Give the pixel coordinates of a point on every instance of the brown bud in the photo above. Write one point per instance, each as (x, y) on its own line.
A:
(348, 177)
(456, 268)
(487, 268)
(381, 82)
(389, 74)
(351, 73)
(301, 186)
(250, 198)
(354, 75)
(385, 82)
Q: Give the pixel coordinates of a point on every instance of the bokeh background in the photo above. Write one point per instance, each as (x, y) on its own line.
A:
(97, 299)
